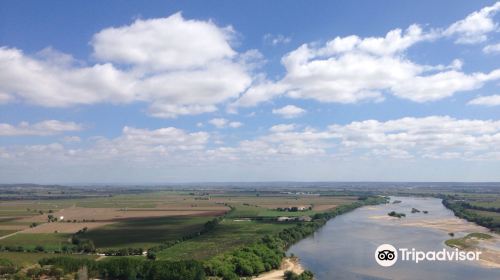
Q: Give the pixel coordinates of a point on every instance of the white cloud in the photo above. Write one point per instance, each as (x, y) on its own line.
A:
(142, 146)
(275, 40)
(282, 142)
(49, 127)
(5, 98)
(218, 122)
(289, 111)
(222, 123)
(49, 83)
(475, 27)
(395, 41)
(260, 92)
(177, 66)
(235, 124)
(168, 151)
(441, 85)
(422, 137)
(282, 127)
(491, 100)
(170, 43)
(353, 69)
(495, 48)
(143, 142)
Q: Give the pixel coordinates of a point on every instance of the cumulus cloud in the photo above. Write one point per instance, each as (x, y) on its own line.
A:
(235, 124)
(289, 111)
(166, 149)
(144, 142)
(222, 123)
(177, 66)
(433, 137)
(218, 122)
(428, 137)
(277, 39)
(493, 49)
(49, 127)
(282, 127)
(282, 142)
(353, 69)
(475, 27)
(491, 100)
(164, 43)
(143, 146)
(53, 83)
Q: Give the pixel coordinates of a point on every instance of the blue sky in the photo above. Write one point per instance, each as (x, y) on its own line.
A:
(165, 91)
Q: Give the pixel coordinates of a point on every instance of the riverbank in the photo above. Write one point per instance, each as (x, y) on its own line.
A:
(288, 264)
(460, 227)
(343, 248)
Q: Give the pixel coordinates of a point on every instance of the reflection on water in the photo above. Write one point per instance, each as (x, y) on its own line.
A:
(344, 248)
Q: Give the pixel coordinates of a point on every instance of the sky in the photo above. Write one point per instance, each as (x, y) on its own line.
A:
(206, 91)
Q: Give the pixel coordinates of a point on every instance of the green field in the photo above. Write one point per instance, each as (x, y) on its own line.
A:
(489, 214)
(6, 232)
(245, 211)
(144, 233)
(227, 235)
(50, 241)
(23, 259)
(467, 241)
(487, 204)
(150, 231)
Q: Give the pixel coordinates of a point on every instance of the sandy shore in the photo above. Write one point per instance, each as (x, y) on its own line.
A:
(287, 264)
(447, 225)
(490, 256)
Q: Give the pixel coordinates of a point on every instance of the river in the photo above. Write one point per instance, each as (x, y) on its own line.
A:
(345, 247)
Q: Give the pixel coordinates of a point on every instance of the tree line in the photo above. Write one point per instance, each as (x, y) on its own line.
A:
(460, 208)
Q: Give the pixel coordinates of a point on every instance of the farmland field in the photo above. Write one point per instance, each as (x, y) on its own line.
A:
(228, 235)
(112, 221)
(49, 241)
(144, 233)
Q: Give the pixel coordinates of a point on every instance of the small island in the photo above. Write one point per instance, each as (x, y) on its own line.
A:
(396, 214)
(468, 241)
(425, 212)
(414, 210)
(396, 201)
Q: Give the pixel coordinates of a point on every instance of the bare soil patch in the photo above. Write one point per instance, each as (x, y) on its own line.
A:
(113, 214)
(324, 207)
(288, 264)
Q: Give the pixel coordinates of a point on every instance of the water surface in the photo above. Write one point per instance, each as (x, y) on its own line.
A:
(344, 248)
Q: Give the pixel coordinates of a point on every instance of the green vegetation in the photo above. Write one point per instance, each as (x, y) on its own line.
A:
(396, 214)
(459, 243)
(306, 275)
(245, 241)
(25, 259)
(491, 205)
(226, 236)
(267, 253)
(462, 209)
(144, 233)
(31, 241)
(467, 241)
(129, 268)
(7, 267)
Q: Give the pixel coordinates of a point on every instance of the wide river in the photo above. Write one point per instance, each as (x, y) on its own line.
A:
(345, 247)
